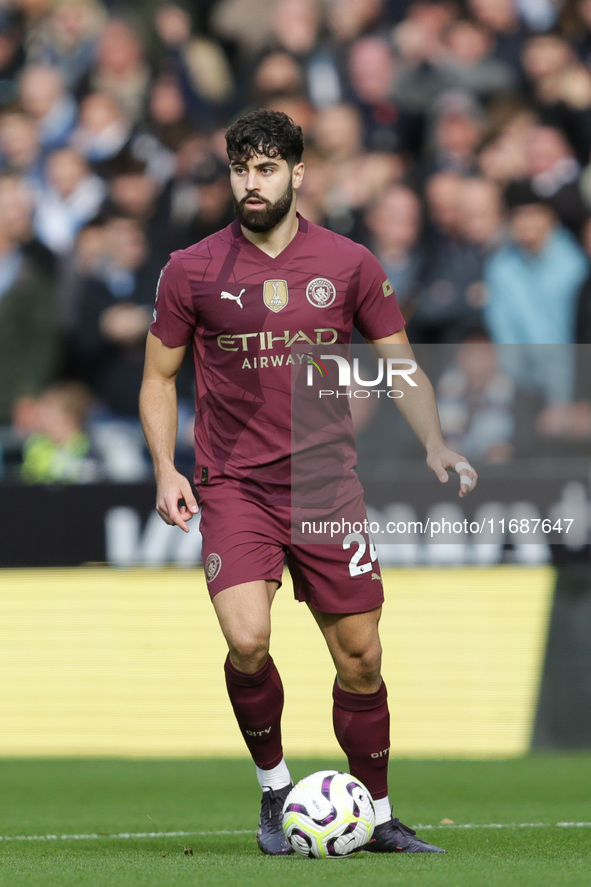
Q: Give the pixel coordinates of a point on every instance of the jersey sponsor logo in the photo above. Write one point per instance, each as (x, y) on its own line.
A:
(213, 565)
(387, 288)
(321, 292)
(264, 340)
(236, 299)
(263, 362)
(275, 294)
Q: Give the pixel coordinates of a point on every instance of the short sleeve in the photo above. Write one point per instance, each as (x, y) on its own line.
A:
(174, 314)
(377, 314)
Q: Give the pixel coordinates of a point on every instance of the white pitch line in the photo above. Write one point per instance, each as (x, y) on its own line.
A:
(124, 836)
(502, 825)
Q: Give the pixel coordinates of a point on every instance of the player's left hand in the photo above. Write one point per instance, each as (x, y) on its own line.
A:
(443, 460)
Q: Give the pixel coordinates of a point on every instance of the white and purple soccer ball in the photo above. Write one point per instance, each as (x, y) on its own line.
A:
(328, 815)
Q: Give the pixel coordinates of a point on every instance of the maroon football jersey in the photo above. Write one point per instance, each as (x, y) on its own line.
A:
(244, 312)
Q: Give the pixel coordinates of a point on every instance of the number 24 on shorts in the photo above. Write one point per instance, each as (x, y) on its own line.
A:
(356, 568)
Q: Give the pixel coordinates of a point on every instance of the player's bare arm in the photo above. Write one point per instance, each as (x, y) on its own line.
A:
(175, 501)
(419, 408)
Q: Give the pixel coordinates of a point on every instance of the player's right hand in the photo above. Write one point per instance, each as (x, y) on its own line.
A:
(175, 502)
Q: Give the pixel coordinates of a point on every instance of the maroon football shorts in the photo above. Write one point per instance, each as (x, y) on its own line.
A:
(245, 540)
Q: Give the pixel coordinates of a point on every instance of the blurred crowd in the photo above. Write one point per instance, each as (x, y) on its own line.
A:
(453, 139)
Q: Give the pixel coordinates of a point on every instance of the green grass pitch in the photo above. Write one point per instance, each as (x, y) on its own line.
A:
(87, 823)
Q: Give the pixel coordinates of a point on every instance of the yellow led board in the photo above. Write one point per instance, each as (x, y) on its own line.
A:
(98, 661)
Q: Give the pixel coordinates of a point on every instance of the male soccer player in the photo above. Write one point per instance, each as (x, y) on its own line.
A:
(242, 298)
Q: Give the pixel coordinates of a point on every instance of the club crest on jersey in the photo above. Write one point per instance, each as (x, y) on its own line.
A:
(213, 565)
(321, 292)
(275, 294)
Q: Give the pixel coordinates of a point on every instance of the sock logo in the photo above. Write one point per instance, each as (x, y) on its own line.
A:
(258, 732)
(381, 754)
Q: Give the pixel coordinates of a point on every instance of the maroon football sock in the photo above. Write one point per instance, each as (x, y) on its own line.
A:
(362, 727)
(257, 700)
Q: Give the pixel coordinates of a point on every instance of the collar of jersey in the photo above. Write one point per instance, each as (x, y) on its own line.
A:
(260, 254)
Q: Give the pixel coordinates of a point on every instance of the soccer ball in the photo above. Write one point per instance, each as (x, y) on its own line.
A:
(328, 815)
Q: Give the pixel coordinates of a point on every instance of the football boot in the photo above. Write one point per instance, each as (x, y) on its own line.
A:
(395, 837)
(270, 835)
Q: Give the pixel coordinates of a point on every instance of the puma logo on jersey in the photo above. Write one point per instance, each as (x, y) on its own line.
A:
(376, 576)
(237, 299)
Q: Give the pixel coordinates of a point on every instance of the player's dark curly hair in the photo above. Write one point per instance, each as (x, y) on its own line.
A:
(271, 133)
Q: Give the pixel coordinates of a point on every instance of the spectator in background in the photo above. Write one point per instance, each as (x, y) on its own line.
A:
(135, 193)
(395, 225)
(197, 64)
(554, 174)
(276, 75)
(561, 88)
(112, 319)
(12, 54)
(313, 194)
(338, 138)
(69, 39)
(583, 310)
(418, 41)
(321, 52)
(70, 196)
(213, 206)
(467, 63)
(371, 74)
(20, 149)
(347, 20)
(43, 96)
(85, 260)
(35, 16)
(114, 313)
(356, 177)
(197, 200)
(480, 213)
(103, 132)
(538, 15)
(532, 284)
(296, 31)
(245, 24)
(570, 423)
(166, 114)
(574, 24)
(295, 27)
(481, 232)
(476, 402)
(457, 132)
(121, 70)
(17, 207)
(58, 450)
(448, 306)
(297, 107)
(545, 58)
(132, 190)
(501, 17)
(29, 340)
(502, 156)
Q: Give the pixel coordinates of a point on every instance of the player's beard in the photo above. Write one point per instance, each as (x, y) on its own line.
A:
(262, 220)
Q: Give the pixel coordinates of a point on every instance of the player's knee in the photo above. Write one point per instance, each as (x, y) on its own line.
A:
(369, 663)
(360, 669)
(248, 653)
